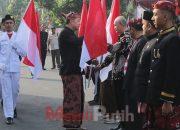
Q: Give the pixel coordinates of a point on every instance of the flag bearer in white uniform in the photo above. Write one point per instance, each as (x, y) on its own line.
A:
(1, 32)
(10, 69)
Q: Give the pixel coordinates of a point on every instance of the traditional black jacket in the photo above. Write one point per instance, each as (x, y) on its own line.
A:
(70, 50)
(164, 80)
(131, 68)
(143, 67)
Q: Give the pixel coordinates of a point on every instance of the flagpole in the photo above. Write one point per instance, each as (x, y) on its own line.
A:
(97, 76)
(96, 80)
(90, 73)
(85, 81)
(85, 72)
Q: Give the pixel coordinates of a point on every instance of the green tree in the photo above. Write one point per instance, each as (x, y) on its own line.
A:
(3, 5)
(17, 8)
(57, 7)
(50, 10)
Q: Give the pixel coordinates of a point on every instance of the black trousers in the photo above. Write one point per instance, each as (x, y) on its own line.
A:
(97, 96)
(108, 97)
(119, 93)
(138, 118)
(43, 57)
(55, 57)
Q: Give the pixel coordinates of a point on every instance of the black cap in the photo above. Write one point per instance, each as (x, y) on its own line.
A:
(147, 15)
(9, 17)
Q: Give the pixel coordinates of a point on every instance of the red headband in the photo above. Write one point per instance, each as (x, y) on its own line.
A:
(135, 22)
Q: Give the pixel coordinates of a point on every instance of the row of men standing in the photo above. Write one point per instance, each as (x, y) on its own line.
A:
(145, 70)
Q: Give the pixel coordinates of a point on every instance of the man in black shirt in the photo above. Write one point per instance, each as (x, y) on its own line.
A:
(44, 38)
(136, 32)
(70, 72)
(112, 94)
(163, 93)
(143, 66)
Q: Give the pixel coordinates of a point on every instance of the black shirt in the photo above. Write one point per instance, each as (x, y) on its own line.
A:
(143, 68)
(131, 68)
(44, 37)
(70, 50)
(164, 81)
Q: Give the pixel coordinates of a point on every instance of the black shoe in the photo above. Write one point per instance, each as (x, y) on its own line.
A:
(93, 103)
(76, 128)
(53, 68)
(9, 121)
(44, 69)
(117, 128)
(15, 113)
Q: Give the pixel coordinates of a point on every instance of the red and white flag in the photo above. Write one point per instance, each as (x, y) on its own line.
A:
(84, 13)
(28, 36)
(94, 43)
(112, 36)
(104, 8)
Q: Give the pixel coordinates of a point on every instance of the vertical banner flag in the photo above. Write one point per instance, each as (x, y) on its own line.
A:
(28, 35)
(112, 36)
(83, 19)
(94, 43)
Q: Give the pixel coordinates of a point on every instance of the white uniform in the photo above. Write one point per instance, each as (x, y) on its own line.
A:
(53, 39)
(10, 66)
(0, 81)
(1, 33)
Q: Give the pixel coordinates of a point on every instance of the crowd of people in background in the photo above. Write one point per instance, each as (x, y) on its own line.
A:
(49, 43)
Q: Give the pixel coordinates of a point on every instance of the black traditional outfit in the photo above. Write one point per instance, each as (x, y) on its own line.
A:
(143, 67)
(164, 80)
(44, 38)
(70, 72)
(112, 92)
(163, 83)
(142, 77)
(129, 81)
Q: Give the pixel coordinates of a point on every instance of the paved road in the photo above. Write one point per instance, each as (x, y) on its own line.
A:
(36, 96)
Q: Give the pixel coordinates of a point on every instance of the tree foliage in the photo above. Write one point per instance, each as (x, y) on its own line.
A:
(57, 7)
(50, 10)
